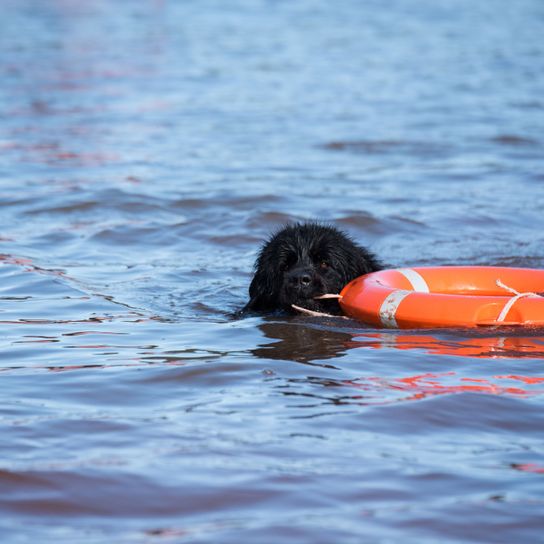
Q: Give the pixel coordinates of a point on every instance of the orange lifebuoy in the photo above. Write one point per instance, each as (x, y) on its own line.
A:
(446, 296)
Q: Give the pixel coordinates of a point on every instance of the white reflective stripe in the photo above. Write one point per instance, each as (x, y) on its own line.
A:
(389, 307)
(415, 278)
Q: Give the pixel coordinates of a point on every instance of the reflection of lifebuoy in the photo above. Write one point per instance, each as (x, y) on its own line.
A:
(448, 296)
(486, 347)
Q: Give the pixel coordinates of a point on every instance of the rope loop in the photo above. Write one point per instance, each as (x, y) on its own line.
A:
(517, 296)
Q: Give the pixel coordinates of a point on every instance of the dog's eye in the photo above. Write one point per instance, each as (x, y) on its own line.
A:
(323, 265)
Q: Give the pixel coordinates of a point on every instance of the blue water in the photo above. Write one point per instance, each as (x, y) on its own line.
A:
(146, 150)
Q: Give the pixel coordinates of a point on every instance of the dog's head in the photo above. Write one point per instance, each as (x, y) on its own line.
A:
(303, 261)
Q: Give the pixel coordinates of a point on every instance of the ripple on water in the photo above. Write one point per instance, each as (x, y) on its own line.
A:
(140, 174)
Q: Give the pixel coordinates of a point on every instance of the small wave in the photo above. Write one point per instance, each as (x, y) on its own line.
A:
(383, 147)
(513, 140)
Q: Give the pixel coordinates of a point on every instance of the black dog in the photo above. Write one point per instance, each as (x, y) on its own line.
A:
(303, 261)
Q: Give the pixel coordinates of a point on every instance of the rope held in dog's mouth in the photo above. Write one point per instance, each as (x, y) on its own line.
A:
(313, 313)
(310, 312)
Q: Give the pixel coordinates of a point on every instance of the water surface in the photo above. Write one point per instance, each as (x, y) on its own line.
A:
(146, 150)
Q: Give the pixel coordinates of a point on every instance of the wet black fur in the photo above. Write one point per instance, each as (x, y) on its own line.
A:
(302, 261)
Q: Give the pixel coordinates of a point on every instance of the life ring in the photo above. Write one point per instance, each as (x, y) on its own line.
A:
(446, 296)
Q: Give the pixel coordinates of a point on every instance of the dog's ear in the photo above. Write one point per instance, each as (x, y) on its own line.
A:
(266, 284)
(262, 291)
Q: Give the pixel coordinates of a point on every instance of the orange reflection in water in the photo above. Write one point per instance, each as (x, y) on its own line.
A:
(446, 383)
(529, 467)
(439, 383)
(488, 347)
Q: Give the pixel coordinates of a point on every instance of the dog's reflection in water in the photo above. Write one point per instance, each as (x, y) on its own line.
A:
(301, 342)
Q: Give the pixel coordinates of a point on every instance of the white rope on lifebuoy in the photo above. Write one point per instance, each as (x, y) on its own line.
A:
(513, 300)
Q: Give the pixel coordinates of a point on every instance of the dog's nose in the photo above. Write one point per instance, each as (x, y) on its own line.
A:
(301, 278)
